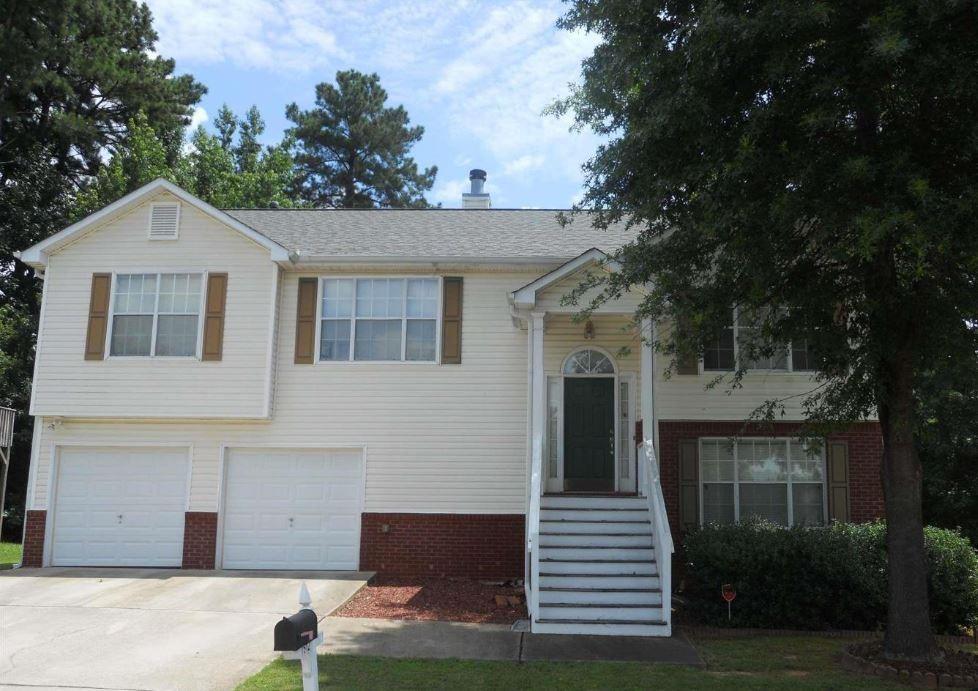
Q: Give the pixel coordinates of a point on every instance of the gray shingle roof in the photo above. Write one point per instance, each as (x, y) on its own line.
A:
(443, 233)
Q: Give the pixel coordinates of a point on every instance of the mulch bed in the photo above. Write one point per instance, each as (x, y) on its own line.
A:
(437, 599)
(958, 670)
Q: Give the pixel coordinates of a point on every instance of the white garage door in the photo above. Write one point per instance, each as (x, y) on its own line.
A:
(292, 509)
(120, 507)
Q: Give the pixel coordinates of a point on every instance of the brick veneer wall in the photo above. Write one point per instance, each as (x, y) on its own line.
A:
(865, 453)
(35, 522)
(199, 539)
(464, 545)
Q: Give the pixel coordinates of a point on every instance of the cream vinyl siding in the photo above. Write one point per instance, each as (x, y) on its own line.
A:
(550, 298)
(133, 387)
(437, 438)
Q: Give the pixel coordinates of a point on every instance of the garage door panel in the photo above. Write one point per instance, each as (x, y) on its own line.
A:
(319, 490)
(120, 507)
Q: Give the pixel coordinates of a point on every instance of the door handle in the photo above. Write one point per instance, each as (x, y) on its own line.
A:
(120, 518)
(611, 440)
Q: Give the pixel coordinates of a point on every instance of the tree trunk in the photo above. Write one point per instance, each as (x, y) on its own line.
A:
(908, 630)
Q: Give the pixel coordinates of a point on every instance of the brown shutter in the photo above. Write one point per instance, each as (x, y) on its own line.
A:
(217, 291)
(838, 479)
(305, 322)
(451, 328)
(686, 363)
(98, 316)
(689, 486)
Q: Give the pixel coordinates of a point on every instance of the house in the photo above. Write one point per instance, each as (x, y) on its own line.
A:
(394, 390)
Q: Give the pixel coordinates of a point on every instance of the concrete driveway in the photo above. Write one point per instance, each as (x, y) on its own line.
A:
(149, 628)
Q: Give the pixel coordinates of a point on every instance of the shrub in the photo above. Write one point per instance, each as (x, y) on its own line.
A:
(831, 577)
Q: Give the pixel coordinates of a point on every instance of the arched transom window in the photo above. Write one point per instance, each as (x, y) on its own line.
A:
(589, 362)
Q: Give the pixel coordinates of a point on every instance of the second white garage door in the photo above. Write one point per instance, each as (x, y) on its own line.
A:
(292, 509)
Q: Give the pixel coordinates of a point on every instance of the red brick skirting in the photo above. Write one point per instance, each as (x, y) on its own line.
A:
(423, 544)
(34, 538)
(199, 539)
(864, 440)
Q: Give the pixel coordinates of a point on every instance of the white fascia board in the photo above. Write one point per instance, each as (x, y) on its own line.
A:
(426, 260)
(526, 297)
(37, 255)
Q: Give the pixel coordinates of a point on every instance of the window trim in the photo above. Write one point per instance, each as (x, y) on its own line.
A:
(439, 317)
(737, 481)
(203, 273)
(789, 356)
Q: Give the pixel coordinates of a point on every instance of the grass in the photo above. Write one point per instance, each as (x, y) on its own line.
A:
(9, 552)
(804, 662)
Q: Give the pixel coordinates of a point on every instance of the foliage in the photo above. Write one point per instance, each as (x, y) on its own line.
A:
(217, 168)
(74, 73)
(353, 149)
(831, 577)
(947, 440)
(812, 165)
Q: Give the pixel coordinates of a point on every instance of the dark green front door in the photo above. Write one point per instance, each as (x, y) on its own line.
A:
(589, 434)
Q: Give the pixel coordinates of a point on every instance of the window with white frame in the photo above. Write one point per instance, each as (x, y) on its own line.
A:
(155, 314)
(780, 480)
(379, 319)
(722, 352)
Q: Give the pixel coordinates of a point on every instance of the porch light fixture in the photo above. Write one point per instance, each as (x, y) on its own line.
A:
(588, 330)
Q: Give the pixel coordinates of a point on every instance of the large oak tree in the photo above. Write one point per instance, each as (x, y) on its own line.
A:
(815, 165)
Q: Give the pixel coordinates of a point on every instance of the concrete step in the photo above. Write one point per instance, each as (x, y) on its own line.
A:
(649, 597)
(600, 527)
(593, 502)
(592, 552)
(600, 612)
(595, 581)
(602, 566)
(595, 540)
(622, 627)
(578, 514)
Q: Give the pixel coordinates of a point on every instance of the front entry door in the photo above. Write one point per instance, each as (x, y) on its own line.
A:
(589, 434)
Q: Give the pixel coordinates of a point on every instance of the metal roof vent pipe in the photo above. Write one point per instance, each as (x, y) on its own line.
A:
(476, 197)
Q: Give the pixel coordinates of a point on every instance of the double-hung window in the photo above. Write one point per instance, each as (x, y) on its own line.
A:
(156, 314)
(779, 480)
(379, 319)
(734, 340)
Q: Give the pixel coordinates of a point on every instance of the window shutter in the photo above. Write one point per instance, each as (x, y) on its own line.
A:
(98, 316)
(305, 322)
(217, 291)
(451, 329)
(838, 481)
(689, 486)
(686, 363)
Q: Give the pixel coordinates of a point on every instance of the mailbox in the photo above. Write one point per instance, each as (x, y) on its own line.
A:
(296, 631)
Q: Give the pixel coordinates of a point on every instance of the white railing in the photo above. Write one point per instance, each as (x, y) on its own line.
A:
(661, 535)
(6, 427)
(533, 531)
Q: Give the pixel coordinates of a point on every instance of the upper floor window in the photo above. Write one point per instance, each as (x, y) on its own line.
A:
(724, 350)
(379, 319)
(155, 314)
(779, 480)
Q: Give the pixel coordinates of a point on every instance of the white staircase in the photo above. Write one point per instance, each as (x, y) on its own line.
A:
(596, 570)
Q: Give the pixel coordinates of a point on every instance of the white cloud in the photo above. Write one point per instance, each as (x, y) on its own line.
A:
(198, 118)
(523, 164)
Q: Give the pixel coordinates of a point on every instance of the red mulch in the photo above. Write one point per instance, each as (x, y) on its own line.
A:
(438, 599)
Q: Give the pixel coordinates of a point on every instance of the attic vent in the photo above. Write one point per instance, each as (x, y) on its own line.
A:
(164, 221)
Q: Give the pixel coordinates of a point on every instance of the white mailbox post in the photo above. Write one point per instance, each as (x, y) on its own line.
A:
(298, 637)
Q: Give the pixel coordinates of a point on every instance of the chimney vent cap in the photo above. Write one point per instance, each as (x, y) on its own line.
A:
(477, 174)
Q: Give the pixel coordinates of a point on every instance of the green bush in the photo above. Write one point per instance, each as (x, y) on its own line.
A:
(831, 577)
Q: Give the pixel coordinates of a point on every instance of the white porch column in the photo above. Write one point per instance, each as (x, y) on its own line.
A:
(538, 414)
(647, 375)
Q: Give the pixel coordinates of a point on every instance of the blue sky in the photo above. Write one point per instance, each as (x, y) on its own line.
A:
(475, 74)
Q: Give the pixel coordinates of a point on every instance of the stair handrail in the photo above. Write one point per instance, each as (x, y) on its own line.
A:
(533, 530)
(661, 533)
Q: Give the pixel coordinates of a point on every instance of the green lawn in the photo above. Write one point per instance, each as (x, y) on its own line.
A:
(756, 663)
(9, 552)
